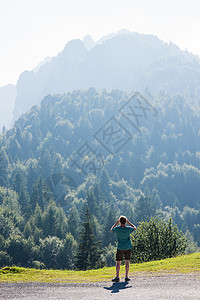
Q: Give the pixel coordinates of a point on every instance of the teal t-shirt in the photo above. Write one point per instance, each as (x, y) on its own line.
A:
(123, 237)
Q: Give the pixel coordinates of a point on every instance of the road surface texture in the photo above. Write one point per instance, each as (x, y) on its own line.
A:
(140, 287)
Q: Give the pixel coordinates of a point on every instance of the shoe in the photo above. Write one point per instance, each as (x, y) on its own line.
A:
(116, 279)
(127, 278)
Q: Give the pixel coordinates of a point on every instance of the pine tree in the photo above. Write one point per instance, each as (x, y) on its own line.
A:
(32, 172)
(40, 194)
(66, 253)
(4, 168)
(57, 164)
(61, 223)
(50, 219)
(38, 217)
(92, 203)
(73, 223)
(144, 209)
(104, 182)
(88, 254)
(98, 194)
(110, 219)
(45, 162)
(20, 186)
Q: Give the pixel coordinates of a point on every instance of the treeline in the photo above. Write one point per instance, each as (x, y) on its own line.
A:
(50, 239)
(47, 179)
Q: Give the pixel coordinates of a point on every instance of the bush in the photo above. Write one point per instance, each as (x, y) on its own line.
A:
(38, 265)
(156, 239)
(5, 259)
(109, 254)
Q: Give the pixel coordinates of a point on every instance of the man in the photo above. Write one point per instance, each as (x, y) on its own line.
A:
(123, 245)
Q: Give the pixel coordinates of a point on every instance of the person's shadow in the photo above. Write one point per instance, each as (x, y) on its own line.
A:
(117, 286)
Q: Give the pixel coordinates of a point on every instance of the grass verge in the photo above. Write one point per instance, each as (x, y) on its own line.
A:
(181, 264)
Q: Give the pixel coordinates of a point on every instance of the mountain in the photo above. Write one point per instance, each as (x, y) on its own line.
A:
(88, 42)
(8, 94)
(112, 152)
(127, 61)
(46, 60)
(57, 76)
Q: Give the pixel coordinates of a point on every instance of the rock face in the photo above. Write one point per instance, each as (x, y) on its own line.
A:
(7, 103)
(125, 61)
(57, 76)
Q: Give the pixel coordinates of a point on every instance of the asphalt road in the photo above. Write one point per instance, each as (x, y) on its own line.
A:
(140, 287)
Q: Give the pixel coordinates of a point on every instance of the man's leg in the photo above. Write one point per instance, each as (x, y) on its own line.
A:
(118, 267)
(116, 279)
(127, 262)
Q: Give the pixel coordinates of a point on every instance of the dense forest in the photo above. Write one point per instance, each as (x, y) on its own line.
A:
(85, 158)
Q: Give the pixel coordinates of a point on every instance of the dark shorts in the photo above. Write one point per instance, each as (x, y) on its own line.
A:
(123, 253)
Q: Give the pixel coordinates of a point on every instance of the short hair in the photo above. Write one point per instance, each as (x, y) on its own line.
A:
(122, 220)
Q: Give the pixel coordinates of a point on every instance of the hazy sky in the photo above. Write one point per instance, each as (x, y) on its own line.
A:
(30, 30)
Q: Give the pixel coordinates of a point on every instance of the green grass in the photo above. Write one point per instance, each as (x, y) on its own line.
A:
(181, 264)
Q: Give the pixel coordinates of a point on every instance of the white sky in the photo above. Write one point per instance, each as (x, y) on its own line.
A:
(30, 30)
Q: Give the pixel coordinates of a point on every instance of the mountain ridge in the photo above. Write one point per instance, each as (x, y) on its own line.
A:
(124, 60)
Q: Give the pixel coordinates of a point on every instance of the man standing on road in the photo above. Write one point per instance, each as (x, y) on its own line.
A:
(123, 245)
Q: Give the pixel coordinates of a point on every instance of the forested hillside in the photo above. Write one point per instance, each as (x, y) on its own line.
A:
(127, 61)
(113, 152)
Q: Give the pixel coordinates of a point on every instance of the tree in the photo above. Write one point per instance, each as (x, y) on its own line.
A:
(109, 255)
(38, 217)
(98, 192)
(5, 259)
(54, 221)
(92, 203)
(4, 168)
(144, 209)
(49, 251)
(50, 219)
(32, 169)
(110, 219)
(104, 182)
(20, 186)
(66, 252)
(40, 194)
(19, 249)
(156, 239)
(73, 222)
(88, 255)
(61, 223)
(10, 222)
(45, 162)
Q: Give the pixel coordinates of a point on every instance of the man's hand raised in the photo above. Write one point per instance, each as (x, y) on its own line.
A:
(117, 222)
(129, 223)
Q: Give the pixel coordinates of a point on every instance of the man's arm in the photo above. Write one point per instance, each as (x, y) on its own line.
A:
(115, 225)
(129, 223)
